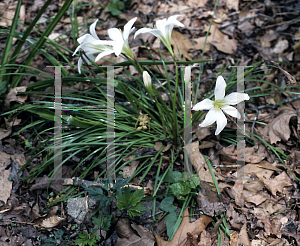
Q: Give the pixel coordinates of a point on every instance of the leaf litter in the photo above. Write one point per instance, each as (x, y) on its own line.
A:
(264, 208)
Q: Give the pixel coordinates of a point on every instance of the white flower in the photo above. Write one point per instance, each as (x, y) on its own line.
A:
(120, 44)
(220, 104)
(147, 82)
(163, 31)
(92, 45)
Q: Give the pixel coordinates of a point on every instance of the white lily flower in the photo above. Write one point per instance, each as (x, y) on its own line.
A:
(220, 104)
(120, 44)
(91, 45)
(163, 30)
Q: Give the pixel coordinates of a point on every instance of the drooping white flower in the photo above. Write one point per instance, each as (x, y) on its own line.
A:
(120, 44)
(92, 45)
(163, 30)
(95, 48)
(220, 104)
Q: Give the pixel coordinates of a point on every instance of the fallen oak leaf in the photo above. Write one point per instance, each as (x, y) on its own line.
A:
(180, 237)
(279, 128)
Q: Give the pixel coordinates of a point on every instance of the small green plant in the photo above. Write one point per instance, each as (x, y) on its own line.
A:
(86, 239)
(168, 206)
(116, 6)
(103, 223)
(182, 184)
(56, 239)
(130, 201)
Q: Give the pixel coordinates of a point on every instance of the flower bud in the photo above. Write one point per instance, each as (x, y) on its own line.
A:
(147, 82)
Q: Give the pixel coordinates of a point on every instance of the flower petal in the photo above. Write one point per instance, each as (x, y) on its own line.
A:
(79, 64)
(221, 121)
(104, 53)
(82, 38)
(206, 104)
(155, 32)
(236, 97)
(210, 118)
(220, 88)
(115, 34)
(128, 29)
(172, 20)
(93, 29)
(161, 26)
(231, 111)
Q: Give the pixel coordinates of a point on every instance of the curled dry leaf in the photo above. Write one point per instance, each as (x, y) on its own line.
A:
(237, 190)
(12, 95)
(199, 163)
(180, 237)
(5, 184)
(254, 185)
(145, 237)
(217, 39)
(279, 128)
(252, 154)
(183, 43)
(255, 198)
(278, 183)
(50, 220)
(243, 238)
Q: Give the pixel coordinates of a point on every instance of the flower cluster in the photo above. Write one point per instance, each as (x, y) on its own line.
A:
(220, 104)
(95, 49)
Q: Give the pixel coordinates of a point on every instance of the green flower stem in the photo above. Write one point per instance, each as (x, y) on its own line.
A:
(175, 109)
(161, 114)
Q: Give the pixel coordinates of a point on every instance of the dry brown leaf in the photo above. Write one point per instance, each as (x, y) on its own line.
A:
(193, 3)
(180, 236)
(51, 222)
(237, 191)
(234, 237)
(182, 43)
(267, 38)
(221, 41)
(280, 47)
(261, 173)
(205, 239)
(255, 198)
(129, 170)
(267, 165)
(12, 95)
(252, 154)
(5, 184)
(200, 44)
(278, 183)
(232, 4)
(145, 237)
(270, 207)
(199, 163)
(254, 185)
(243, 238)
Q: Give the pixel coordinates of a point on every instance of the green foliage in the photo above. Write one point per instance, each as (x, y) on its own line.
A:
(171, 219)
(58, 239)
(181, 184)
(131, 202)
(116, 6)
(85, 239)
(113, 191)
(103, 221)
